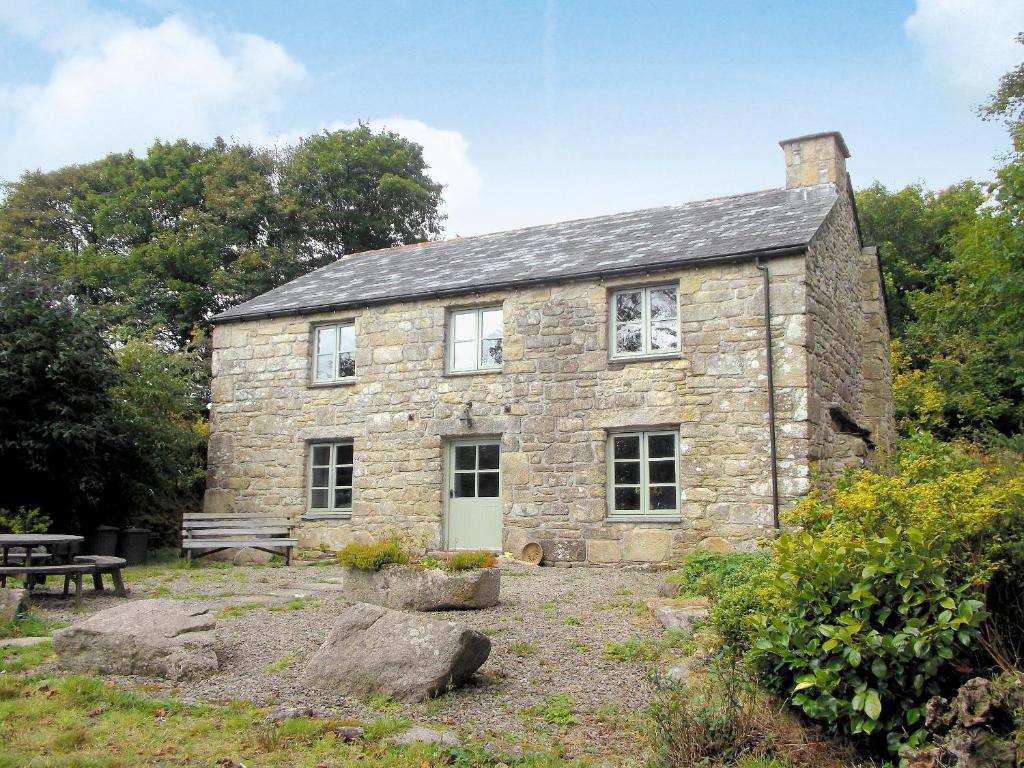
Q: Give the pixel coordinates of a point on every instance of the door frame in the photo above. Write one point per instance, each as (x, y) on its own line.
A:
(448, 470)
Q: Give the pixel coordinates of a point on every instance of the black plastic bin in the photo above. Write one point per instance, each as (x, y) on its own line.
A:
(104, 540)
(134, 545)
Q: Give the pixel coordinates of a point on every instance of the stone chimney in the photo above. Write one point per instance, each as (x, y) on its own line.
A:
(818, 158)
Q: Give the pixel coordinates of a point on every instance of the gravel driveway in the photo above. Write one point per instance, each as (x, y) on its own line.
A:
(549, 634)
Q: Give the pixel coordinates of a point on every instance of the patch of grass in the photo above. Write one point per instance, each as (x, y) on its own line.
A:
(29, 624)
(558, 709)
(571, 621)
(471, 561)
(632, 650)
(383, 703)
(297, 604)
(581, 647)
(234, 611)
(15, 658)
(282, 663)
(550, 605)
(522, 649)
(383, 727)
(374, 555)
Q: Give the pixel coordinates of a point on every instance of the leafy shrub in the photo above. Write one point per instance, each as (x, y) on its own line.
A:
(374, 555)
(868, 631)
(24, 521)
(706, 574)
(470, 561)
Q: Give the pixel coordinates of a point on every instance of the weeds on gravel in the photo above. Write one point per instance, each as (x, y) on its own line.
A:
(29, 624)
(298, 604)
(522, 648)
(571, 621)
(581, 647)
(283, 663)
(558, 709)
(633, 650)
(15, 658)
(234, 611)
(381, 703)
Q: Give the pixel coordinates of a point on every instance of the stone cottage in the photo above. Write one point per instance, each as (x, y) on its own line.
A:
(624, 388)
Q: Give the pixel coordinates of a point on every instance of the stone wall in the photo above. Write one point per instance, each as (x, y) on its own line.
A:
(551, 405)
(850, 384)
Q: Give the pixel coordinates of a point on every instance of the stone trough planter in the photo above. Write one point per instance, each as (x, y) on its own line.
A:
(408, 588)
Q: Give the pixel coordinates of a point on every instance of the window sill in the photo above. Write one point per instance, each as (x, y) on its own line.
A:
(643, 519)
(620, 361)
(326, 516)
(329, 384)
(481, 372)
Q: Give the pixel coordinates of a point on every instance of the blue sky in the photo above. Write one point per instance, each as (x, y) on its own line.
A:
(529, 111)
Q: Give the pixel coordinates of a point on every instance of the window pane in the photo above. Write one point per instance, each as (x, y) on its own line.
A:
(664, 336)
(325, 340)
(627, 472)
(344, 478)
(344, 453)
(489, 456)
(321, 477)
(465, 485)
(343, 498)
(324, 363)
(662, 471)
(491, 324)
(663, 304)
(465, 355)
(627, 447)
(346, 365)
(627, 499)
(347, 338)
(661, 446)
(321, 455)
(628, 306)
(465, 457)
(319, 499)
(465, 326)
(663, 497)
(488, 484)
(490, 353)
(627, 338)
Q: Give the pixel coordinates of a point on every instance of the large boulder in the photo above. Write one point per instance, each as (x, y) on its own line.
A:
(155, 638)
(12, 602)
(373, 649)
(408, 588)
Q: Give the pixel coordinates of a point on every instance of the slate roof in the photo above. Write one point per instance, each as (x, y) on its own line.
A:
(622, 243)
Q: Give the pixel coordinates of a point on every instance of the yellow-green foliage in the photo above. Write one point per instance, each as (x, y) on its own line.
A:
(940, 489)
(469, 561)
(374, 555)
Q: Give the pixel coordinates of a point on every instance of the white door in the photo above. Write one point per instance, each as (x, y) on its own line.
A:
(474, 495)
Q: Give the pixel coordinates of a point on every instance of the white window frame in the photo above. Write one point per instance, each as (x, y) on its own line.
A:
(645, 484)
(478, 313)
(335, 353)
(645, 323)
(332, 479)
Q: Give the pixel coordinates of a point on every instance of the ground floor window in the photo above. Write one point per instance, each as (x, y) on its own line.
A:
(330, 477)
(643, 473)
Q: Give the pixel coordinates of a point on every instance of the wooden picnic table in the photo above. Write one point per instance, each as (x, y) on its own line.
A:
(30, 541)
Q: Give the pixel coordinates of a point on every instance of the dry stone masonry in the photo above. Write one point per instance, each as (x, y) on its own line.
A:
(559, 393)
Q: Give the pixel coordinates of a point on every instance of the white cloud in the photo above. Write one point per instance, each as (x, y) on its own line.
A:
(969, 43)
(117, 85)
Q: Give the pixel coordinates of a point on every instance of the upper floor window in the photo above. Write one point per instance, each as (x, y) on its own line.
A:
(645, 321)
(330, 478)
(335, 353)
(475, 339)
(644, 473)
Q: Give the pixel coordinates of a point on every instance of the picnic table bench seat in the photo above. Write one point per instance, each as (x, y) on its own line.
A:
(70, 571)
(209, 532)
(105, 564)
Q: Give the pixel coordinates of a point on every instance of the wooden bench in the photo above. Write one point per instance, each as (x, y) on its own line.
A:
(208, 532)
(74, 571)
(104, 564)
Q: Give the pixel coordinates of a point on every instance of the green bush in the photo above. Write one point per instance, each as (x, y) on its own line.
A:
(867, 632)
(706, 574)
(374, 555)
(470, 561)
(24, 521)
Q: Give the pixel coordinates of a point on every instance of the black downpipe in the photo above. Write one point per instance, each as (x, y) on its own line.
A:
(771, 389)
